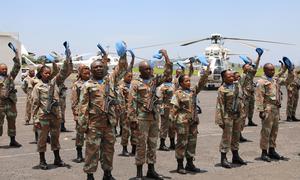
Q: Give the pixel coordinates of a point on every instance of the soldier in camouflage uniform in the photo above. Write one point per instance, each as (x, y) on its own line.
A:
(83, 76)
(228, 111)
(143, 114)
(185, 117)
(97, 116)
(165, 93)
(8, 99)
(292, 84)
(27, 87)
(180, 72)
(268, 101)
(62, 102)
(46, 113)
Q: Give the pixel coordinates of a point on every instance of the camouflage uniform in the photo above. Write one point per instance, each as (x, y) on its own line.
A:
(186, 119)
(8, 99)
(268, 101)
(27, 87)
(165, 92)
(292, 86)
(125, 123)
(248, 89)
(228, 111)
(97, 124)
(50, 122)
(62, 101)
(75, 95)
(147, 123)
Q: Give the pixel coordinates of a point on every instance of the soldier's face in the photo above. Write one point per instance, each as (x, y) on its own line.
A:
(146, 71)
(186, 83)
(99, 69)
(85, 74)
(128, 77)
(31, 73)
(237, 77)
(246, 68)
(269, 70)
(3, 70)
(229, 77)
(178, 72)
(46, 73)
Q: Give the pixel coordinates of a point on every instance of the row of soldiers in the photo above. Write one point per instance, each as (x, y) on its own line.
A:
(100, 98)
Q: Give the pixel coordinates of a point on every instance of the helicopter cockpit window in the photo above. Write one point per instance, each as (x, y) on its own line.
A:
(219, 62)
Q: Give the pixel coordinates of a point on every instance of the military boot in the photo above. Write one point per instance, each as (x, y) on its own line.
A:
(264, 156)
(224, 161)
(151, 173)
(273, 154)
(139, 172)
(90, 176)
(13, 142)
(162, 145)
(190, 166)
(236, 159)
(36, 137)
(180, 168)
(124, 151)
(107, 175)
(133, 150)
(251, 123)
(43, 165)
(62, 127)
(289, 119)
(57, 160)
(295, 119)
(79, 158)
(172, 144)
(242, 139)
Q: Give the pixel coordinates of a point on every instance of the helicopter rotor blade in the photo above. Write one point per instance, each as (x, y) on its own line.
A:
(257, 40)
(192, 42)
(156, 45)
(253, 46)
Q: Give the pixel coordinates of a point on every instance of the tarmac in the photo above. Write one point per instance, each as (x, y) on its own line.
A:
(22, 163)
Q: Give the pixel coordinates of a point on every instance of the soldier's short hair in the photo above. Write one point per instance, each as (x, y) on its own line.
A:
(266, 65)
(38, 75)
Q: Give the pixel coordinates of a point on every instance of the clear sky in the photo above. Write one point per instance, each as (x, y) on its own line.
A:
(44, 25)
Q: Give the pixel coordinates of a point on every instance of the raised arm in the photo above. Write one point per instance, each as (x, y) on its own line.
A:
(55, 70)
(168, 68)
(17, 66)
(65, 71)
(203, 80)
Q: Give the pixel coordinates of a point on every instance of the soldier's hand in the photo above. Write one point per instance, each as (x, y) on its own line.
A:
(262, 115)
(37, 125)
(134, 124)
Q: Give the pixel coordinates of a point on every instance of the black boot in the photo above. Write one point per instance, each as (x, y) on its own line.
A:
(264, 156)
(295, 119)
(224, 161)
(180, 168)
(133, 150)
(124, 151)
(90, 176)
(190, 166)
(242, 139)
(62, 127)
(162, 145)
(151, 173)
(79, 158)
(36, 137)
(107, 175)
(43, 165)
(289, 119)
(172, 144)
(57, 160)
(48, 139)
(13, 142)
(273, 154)
(251, 123)
(236, 159)
(139, 172)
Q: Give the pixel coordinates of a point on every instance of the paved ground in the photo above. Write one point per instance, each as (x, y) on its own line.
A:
(20, 164)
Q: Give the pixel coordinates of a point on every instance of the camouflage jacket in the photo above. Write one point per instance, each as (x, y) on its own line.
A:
(292, 81)
(92, 114)
(268, 91)
(27, 85)
(42, 91)
(247, 83)
(165, 93)
(7, 86)
(184, 110)
(75, 95)
(229, 102)
(140, 95)
(123, 94)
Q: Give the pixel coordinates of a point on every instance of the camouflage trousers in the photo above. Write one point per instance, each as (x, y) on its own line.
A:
(8, 109)
(63, 109)
(99, 140)
(166, 126)
(128, 132)
(292, 102)
(249, 105)
(269, 130)
(52, 125)
(231, 134)
(79, 140)
(186, 140)
(28, 108)
(147, 142)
